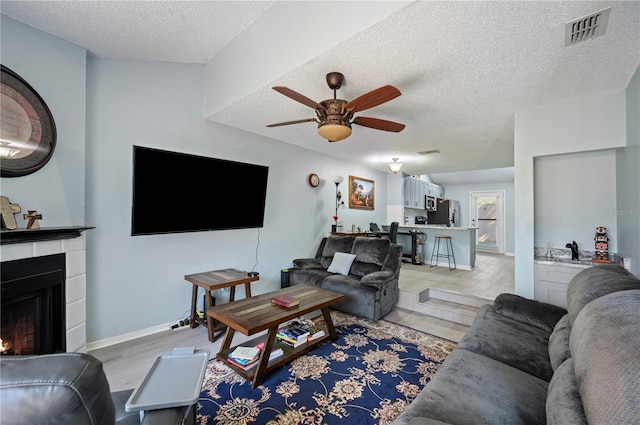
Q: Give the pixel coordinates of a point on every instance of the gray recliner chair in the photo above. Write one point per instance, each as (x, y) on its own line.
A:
(70, 389)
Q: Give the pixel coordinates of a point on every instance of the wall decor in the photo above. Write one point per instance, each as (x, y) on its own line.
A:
(28, 129)
(313, 180)
(361, 193)
(7, 211)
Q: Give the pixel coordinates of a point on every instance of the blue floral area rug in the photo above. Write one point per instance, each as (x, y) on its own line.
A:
(368, 376)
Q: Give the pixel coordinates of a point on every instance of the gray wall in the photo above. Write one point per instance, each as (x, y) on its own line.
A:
(56, 70)
(581, 125)
(628, 181)
(136, 285)
(574, 194)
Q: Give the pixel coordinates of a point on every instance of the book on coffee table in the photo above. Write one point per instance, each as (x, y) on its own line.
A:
(246, 353)
(286, 301)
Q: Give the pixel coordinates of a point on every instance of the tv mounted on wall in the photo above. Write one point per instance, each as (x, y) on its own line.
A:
(176, 192)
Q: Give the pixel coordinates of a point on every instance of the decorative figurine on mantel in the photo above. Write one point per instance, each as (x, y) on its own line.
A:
(602, 245)
(8, 210)
(33, 217)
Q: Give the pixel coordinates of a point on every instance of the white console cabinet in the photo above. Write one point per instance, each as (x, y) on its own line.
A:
(551, 281)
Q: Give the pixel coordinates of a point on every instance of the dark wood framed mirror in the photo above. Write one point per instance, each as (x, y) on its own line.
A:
(28, 131)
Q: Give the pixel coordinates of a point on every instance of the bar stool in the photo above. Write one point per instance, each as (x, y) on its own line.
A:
(436, 251)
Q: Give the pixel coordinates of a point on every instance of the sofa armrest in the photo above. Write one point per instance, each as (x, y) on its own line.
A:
(535, 313)
(377, 279)
(307, 263)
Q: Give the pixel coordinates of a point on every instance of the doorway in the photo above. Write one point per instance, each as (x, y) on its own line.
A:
(487, 214)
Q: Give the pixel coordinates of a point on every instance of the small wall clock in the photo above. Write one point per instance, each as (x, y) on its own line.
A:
(28, 129)
(313, 180)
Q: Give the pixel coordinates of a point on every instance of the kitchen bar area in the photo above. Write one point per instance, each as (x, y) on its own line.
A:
(421, 239)
(427, 214)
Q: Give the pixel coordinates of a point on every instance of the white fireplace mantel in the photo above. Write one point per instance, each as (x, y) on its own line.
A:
(72, 243)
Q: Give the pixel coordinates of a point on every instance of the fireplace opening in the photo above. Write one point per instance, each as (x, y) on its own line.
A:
(33, 306)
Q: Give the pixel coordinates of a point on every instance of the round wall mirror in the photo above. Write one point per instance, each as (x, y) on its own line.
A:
(28, 131)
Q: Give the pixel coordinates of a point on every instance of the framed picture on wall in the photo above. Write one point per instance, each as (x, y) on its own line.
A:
(28, 128)
(361, 193)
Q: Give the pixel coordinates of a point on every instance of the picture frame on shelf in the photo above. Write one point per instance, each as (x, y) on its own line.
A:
(361, 193)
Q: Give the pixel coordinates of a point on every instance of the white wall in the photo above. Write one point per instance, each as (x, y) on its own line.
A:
(56, 70)
(574, 194)
(628, 182)
(580, 125)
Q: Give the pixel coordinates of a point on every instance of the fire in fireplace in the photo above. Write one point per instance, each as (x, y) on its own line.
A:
(33, 305)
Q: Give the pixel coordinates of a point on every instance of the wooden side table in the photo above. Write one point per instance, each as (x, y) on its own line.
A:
(210, 281)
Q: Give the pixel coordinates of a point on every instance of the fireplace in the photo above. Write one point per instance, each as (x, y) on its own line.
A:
(33, 305)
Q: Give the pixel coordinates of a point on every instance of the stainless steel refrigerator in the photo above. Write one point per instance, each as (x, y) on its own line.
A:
(447, 213)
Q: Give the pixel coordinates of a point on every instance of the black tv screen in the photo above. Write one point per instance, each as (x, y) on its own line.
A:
(176, 192)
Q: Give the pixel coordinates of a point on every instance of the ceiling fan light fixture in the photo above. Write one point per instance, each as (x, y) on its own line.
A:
(395, 166)
(334, 132)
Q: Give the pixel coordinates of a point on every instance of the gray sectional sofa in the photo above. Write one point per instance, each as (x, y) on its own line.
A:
(525, 362)
(369, 283)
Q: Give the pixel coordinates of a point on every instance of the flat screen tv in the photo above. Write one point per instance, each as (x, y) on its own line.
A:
(176, 192)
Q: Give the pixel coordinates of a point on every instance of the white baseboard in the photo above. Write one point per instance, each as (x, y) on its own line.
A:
(95, 345)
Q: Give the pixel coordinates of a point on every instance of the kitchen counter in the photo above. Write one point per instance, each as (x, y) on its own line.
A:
(437, 226)
(563, 261)
(463, 240)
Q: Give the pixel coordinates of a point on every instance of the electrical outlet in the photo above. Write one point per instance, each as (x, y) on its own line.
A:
(626, 263)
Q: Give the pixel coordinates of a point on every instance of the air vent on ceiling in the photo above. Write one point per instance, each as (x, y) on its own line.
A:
(429, 152)
(587, 27)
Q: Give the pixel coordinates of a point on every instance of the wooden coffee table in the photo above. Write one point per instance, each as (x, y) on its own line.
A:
(256, 314)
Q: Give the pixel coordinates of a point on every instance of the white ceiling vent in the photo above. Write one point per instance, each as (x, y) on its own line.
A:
(587, 27)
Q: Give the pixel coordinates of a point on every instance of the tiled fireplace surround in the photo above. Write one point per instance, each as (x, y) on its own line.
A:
(75, 285)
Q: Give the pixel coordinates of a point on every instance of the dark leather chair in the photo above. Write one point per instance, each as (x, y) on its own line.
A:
(393, 231)
(70, 388)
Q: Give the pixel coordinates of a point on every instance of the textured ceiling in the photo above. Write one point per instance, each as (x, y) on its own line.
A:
(463, 68)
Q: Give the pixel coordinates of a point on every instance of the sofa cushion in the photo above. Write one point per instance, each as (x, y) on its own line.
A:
(360, 300)
(605, 343)
(564, 406)
(595, 282)
(469, 388)
(509, 341)
(559, 342)
(307, 263)
(67, 388)
(341, 263)
(370, 255)
(335, 244)
(541, 315)
(311, 277)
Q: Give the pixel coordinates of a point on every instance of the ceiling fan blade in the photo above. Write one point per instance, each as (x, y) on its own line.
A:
(379, 124)
(373, 98)
(278, 124)
(298, 97)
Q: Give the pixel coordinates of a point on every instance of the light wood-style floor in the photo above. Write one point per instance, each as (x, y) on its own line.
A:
(126, 363)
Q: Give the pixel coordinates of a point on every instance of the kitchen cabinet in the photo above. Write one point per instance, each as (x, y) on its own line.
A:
(408, 192)
(414, 192)
(551, 282)
(420, 190)
(416, 189)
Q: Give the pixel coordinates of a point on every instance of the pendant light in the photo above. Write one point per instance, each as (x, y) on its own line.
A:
(395, 166)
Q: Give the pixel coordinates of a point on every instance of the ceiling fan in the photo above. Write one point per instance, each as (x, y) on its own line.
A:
(335, 116)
